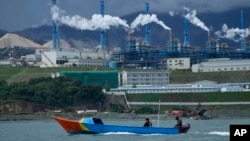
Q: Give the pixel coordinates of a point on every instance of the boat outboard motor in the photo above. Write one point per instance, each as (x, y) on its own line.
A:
(185, 127)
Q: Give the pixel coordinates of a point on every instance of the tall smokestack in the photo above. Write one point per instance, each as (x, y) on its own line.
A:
(209, 36)
(55, 38)
(186, 34)
(147, 30)
(242, 27)
(102, 34)
(170, 35)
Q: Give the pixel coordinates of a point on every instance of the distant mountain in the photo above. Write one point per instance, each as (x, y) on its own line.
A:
(159, 36)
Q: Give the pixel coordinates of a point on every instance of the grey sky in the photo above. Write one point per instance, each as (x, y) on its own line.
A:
(20, 14)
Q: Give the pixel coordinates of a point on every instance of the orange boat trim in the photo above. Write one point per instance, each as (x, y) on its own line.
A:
(69, 125)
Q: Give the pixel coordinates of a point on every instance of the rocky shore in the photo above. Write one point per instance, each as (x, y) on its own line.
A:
(215, 114)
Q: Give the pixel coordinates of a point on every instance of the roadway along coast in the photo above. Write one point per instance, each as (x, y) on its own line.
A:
(188, 103)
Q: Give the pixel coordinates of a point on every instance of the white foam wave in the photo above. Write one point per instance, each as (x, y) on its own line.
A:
(221, 133)
(129, 133)
(153, 134)
(119, 133)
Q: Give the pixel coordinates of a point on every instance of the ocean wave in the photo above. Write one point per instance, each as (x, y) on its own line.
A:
(129, 133)
(118, 133)
(221, 133)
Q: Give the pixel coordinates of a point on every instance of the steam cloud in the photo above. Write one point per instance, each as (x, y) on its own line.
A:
(234, 34)
(191, 16)
(97, 21)
(171, 13)
(144, 19)
(103, 22)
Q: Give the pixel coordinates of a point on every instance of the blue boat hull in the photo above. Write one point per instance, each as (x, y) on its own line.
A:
(130, 129)
(96, 126)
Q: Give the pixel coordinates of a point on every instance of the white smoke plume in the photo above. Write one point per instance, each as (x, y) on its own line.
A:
(171, 13)
(144, 19)
(235, 34)
(191, 16)
(97, 21)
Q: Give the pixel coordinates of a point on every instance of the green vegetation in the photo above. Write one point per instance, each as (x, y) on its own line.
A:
(117, 108)
(146, 110)
(186, 76)
(59, 92)
(17, 74)
(35, 85)
(189, 97)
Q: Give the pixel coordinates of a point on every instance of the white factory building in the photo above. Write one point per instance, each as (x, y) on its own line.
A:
(32, 59)
(60, 58)
(144, 77)
(219, 65)
(183, 88)
(176, 63)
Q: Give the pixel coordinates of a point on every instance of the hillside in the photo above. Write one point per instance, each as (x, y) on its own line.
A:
(117, 36)
(184, 77)
(191, 97)
(19, 74)
(12, 74)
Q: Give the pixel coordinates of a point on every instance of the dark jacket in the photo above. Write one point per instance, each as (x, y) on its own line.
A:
(179, 122)
(147, 124)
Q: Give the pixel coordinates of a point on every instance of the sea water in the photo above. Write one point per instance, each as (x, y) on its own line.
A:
(50, 130)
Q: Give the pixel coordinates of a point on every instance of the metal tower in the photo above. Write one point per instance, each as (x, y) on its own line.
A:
(102, 34)
(242, 27)
(55, 37)
(186, 31)
(147, 30)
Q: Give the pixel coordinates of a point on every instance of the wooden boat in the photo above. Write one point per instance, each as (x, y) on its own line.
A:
(96, 126)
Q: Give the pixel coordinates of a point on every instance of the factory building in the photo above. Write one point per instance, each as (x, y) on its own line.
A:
(176, 63)
(87, 63)
(32, 59)
(218, 65)
(144, 77)
(185, 88)
(113, 79)
(5, 62)
(57, 58)
(138, 53)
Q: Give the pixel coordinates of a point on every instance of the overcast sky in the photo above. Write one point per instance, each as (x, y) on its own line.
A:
(20, 14)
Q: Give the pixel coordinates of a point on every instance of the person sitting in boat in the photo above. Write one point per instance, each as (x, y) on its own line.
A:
(147, 123)
(179, 122)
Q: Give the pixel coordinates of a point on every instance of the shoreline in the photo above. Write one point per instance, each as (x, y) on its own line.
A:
(209, 115)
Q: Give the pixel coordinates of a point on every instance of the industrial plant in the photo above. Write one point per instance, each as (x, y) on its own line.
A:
(139, 52)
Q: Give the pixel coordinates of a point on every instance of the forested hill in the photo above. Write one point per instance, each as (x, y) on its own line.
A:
(58, 92)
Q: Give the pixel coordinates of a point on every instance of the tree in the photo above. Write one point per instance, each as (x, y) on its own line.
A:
(60, 92)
